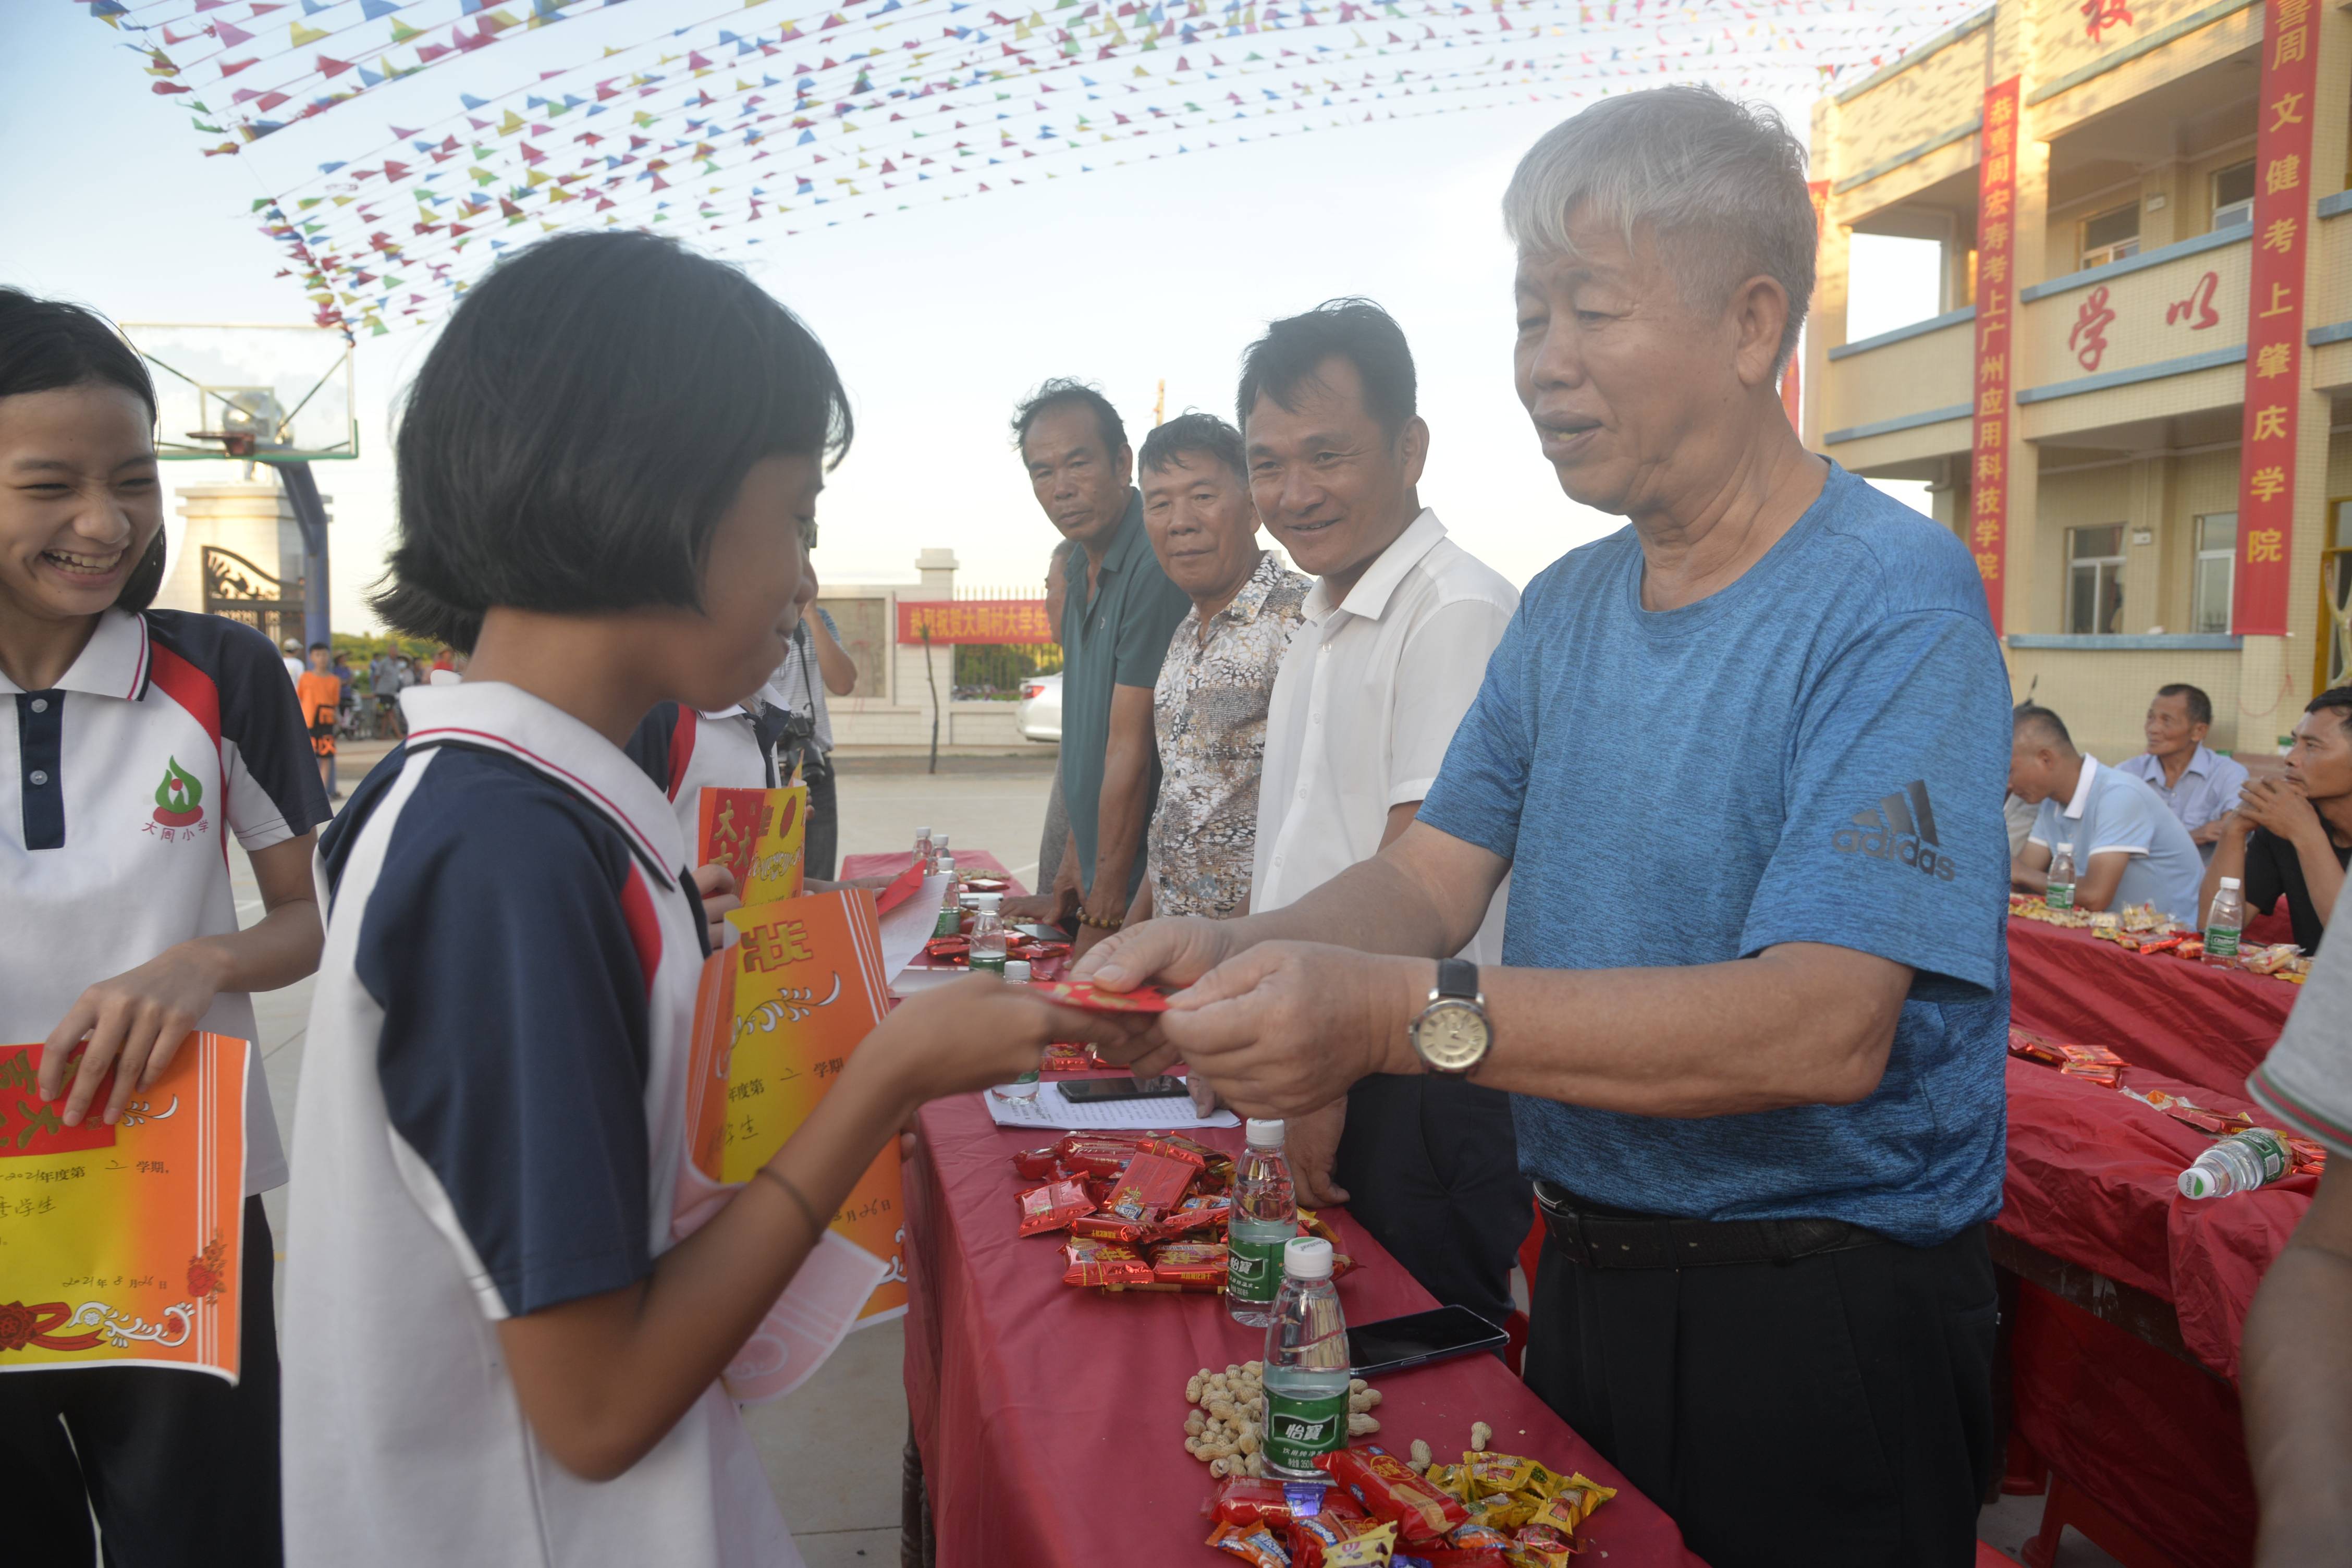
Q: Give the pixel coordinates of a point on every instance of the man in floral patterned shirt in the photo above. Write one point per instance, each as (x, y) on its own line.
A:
(1209, 704)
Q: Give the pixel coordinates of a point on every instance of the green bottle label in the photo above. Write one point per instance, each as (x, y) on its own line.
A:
(2061, 896)
(993, 965)
(1254, 1267)
(2269, 1149)
(1298, 1429)
(2221, 942)
(950, 923)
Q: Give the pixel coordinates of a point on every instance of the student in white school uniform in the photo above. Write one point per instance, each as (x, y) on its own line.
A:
(132, 743)
(608, 467)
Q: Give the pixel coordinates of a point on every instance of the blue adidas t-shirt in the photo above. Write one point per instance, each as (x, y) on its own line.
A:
(1816, 754)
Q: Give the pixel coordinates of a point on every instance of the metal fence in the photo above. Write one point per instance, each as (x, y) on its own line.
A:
(996, 672)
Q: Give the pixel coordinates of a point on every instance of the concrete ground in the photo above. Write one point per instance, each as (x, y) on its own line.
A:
(832, 1446)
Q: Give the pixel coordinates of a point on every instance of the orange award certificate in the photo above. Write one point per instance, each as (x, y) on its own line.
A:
(757, 834)
(123, 1246)
(779, 1012)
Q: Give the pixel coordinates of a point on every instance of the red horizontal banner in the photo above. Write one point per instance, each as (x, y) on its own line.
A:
(974, 621)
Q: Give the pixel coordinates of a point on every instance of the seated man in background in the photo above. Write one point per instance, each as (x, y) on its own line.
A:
(2199, 787)
(2128, 846)
(1209, 704)
(2292, 838)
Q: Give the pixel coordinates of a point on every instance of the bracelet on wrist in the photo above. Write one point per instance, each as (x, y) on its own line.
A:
(806, 1207)
(1110, 923)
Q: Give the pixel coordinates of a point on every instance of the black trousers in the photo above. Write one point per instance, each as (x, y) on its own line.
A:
(1431, 1169)
(822, 845)
(180, 1469)
(1834, 1410)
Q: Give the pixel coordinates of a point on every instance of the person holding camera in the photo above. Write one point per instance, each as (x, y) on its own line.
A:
(814, 665)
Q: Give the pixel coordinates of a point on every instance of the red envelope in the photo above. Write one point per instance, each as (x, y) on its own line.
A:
(1084, 995)
(902, 888)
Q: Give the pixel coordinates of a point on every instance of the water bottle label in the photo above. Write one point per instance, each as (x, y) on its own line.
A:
(950, 923)
(2221, 942)
(2061, 896)
(1254, 1267)
(2269, 1149)
(992, 965)
(1298, 1429)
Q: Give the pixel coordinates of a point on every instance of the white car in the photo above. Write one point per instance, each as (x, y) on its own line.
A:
(1040, 708)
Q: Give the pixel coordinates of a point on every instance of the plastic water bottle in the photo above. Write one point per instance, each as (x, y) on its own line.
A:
(988, 934)
(950, 919)
(1305, 1365)
(923, 847)
(941, 857)
(2223, 922)
(1016, 973)
(1265, 1217)
(2062, 878)
(2237, 1164)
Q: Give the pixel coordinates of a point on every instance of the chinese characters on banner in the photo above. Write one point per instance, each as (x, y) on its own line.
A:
(759, 835)
(781, 1012)
(125, 1245)
(2274, 317)
(1792, 397)
(1989, 446)
(975, 621)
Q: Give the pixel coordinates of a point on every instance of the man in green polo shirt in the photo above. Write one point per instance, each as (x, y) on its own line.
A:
(1116, 617)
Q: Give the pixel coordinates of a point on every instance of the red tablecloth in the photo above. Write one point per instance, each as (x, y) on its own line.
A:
(2202, 1025)
(2092, 1179)
(1051, 1419)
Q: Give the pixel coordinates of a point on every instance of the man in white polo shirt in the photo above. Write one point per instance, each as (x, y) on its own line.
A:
(1398, 630)
(2128, 846)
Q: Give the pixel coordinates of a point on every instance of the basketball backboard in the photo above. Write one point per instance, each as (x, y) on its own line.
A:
(263, 393)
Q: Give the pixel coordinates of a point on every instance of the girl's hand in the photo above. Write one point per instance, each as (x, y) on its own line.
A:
(135, 1023)
(976, 1032)
(716, 883)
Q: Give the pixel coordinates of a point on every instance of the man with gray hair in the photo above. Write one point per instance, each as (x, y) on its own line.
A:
(1753, 1033)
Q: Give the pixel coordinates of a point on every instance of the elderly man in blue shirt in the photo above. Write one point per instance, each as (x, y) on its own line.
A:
(1754, 1031)
(2199, 784)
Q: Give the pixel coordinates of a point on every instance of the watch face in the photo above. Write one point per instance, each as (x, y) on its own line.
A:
(1451, 1036)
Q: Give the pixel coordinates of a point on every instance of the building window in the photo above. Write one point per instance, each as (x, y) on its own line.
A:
(2217, 552)
(2094, 580)
(2111, 236)
(2233, 195)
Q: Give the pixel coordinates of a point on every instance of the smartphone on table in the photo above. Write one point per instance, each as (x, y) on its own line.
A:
(1393, 1343)
(1100, 1090)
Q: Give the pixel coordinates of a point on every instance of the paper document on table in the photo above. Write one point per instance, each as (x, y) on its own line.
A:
(1050, 1107)
(909, 924)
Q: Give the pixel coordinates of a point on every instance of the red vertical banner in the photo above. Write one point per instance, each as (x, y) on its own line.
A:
(1988, 528)
(1792, 396)
(2274, 318)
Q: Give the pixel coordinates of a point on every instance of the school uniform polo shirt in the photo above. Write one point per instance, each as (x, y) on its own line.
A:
(491, 1123)
(120, 787)
(685, 751)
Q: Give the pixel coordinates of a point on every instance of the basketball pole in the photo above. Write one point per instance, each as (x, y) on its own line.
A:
(310, 516)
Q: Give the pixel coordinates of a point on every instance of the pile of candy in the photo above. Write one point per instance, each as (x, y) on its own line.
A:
(2095, 1063)
(1491, 1511)
(2098, 1065)
(2138, 928)
(957, 950)
(1224, 1428)
(1143, 1211)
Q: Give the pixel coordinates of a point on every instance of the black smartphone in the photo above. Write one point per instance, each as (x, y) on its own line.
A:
(1396, 1342)
(1095, 1090)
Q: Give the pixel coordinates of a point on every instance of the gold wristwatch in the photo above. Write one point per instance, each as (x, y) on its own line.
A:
(1452, 1034)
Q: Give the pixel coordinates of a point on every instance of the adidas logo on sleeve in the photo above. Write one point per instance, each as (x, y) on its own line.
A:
(1901, 826)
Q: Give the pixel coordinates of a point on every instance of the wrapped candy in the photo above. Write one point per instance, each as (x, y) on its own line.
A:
(1198, 1264)
(1053, 1207)
(1149, 1186)
(1114, 1227)
(1421, 1513)
(1104, 1262)
(1038, 1165)
(1252, 1543)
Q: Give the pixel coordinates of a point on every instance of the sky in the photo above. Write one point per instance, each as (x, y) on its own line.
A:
(940, 319)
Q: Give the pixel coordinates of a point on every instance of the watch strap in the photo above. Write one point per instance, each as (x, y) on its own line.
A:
(1458, 977)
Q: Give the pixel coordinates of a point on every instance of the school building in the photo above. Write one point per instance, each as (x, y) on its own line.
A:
(2136, 401)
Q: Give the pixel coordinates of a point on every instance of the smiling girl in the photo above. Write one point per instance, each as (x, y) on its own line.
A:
(132, 740)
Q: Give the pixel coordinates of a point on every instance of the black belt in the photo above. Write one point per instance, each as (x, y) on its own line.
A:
(1595, 1237)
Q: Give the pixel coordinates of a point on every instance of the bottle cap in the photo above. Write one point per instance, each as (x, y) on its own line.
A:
(1016, 972)
(1307, 1257)
(946, 864)
(939, 840)
(2196, 1183)
(922, 832)
(2230, 883)
(1264, 1134)
(990, 901)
